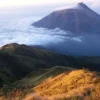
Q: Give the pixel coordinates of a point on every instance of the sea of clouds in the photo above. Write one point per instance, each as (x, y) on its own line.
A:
(20, 30)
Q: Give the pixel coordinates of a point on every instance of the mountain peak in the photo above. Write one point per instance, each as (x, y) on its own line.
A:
(66, 18)
(81, 4)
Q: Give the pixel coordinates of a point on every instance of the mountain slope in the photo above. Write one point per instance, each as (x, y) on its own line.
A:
(65, 82)
(75, 84)
(19, 60)
(33, 52)
(37, 76)
(83, 18)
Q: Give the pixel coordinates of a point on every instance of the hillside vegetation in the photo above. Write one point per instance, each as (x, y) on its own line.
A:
(70, 85)
(17, 61)
(14, 58)
(57, 83)
(37, 76)
(31, 73)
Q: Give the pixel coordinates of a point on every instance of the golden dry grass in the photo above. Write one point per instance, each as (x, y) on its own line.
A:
(75, 82)
(14, 94)
(70, 85)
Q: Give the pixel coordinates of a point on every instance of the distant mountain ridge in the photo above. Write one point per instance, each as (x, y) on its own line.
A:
(16, 61)
(80, 19)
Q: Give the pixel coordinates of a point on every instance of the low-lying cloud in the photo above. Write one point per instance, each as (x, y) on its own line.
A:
(21, 31)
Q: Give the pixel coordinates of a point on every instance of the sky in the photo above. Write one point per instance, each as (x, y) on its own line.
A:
(20, 8)
(9, 3)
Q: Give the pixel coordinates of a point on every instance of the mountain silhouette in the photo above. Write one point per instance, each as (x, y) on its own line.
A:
(79, 19)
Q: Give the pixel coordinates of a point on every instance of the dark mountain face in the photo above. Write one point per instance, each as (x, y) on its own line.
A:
(16, 61)
(79, 19)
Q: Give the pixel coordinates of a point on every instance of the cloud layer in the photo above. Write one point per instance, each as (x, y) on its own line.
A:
(21, 31)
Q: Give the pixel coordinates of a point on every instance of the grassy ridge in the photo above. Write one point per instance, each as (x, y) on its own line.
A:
(21, 88)
(70, 85)
(20, 60)
(57, 83)
(66, 82)
(30, 69)
(39, 75)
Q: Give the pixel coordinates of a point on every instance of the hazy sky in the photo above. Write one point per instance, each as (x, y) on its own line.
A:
(7, 3)
(40, 7)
